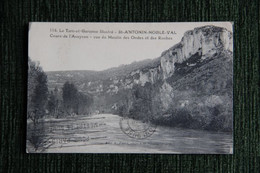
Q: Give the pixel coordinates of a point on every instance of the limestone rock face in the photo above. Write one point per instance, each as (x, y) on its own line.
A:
(144, 77)
(166, 95)
(152, 75)
(206, 41)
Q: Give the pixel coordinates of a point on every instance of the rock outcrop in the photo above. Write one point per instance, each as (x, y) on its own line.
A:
(206, 41)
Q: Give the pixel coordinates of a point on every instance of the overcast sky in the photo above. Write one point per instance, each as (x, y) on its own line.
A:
(57, 54)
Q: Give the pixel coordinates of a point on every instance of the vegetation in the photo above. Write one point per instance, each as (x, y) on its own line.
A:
(41, 102)
(37, 91)
(200, 97)
(75, 102)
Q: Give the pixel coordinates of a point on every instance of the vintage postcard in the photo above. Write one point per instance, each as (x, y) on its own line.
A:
(130, 88)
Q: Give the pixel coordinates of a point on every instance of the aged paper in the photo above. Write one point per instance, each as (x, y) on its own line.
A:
(130, 88)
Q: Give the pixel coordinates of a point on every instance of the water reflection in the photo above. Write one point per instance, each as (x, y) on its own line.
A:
(102, 134)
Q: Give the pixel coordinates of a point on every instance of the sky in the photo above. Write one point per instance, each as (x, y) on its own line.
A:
(61, 54)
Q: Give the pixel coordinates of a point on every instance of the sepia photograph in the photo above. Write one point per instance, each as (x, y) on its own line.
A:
(130, 88)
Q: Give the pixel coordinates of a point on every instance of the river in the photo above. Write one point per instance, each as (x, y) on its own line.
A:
(101, 133)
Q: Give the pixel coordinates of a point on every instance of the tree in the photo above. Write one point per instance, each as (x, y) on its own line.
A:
(84, 103)
(142, 102)
(75, 101)
(69, 95)
(37, 91)
(33, 71)
(39, 96)
(52, 103)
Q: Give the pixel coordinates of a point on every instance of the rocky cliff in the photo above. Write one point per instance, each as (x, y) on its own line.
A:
(204, 41)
